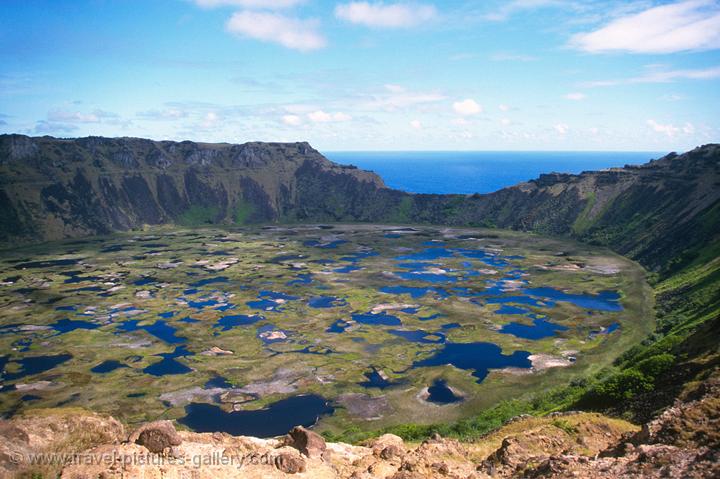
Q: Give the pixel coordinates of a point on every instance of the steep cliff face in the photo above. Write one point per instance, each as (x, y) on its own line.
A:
(53, 188)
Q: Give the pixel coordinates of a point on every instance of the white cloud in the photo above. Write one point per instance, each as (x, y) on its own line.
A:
(381, 15)
(260, 4)
(682, 26)
(505, 121)
(666, 76)
(210, 120)
(561, 128)
(416, 124)
(467, 107)
(96, 116)
(396, 97)
(504, 108)
(166, 114)
(320, 116)
(576, 96)
(291, 120)
(671, 130)
(289, 32)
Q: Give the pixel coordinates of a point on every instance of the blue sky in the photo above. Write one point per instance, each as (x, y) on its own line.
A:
(348, 75)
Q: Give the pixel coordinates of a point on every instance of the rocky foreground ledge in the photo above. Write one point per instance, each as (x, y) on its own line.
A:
(684, 441)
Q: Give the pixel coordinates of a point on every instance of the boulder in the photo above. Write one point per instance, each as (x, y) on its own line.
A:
(307, 442)
(156, 436)
(289, 462)
(388, 446)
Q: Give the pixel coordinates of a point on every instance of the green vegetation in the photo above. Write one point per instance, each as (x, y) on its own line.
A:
(583, 221)
(198, 216)
(243, 211)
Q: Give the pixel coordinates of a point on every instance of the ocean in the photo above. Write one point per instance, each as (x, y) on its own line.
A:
(478, 171)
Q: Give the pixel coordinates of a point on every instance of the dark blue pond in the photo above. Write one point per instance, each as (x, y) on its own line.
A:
(80, 279)
(264, 305)
(419, 336)
(347, 269)
(324, 244)
(167, 314)
(108, 366)
(276, 295)
(376, 380)
(168, 365)
(203, 303)
(451, 325)
(326, 302)
(428, 254)
(160, 329)
(266, 301)
(277, 419)
(610, 329)
(303, 278)
(478, 357)
(35, 365)
(218, 382)
(228, 322)
(338, 326)
(66, 308)
(188, 319)
(206, 281)
(377, 319)
(603, 301)
(507, 309)
(540, 329)
(440, 393)
(66, 325)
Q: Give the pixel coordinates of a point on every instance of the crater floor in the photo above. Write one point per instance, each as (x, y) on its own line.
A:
(253, 331)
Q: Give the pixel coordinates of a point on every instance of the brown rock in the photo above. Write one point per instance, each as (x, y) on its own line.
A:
(290, 463)
(157, 436)
(391, 452)
(388, 446)
(441, 468)
(307, 442)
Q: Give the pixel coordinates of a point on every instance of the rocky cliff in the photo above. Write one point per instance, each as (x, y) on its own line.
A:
(52, 188)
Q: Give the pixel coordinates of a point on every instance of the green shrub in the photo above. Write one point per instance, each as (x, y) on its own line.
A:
(654, 366)
(621, 386)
